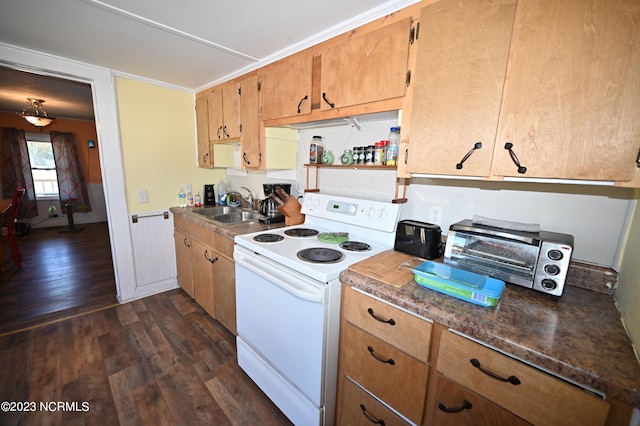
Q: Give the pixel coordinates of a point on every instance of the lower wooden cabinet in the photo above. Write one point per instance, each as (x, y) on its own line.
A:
(398, 368)
(359, 408)
(453, 405)
(378, 351)
(206, 270)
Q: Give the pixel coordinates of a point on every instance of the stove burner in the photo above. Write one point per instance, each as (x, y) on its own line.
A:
(301, 232)
(268, 238)
(355, 246)
(320, 255)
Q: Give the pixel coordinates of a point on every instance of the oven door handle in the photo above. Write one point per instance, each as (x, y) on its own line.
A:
(289, 281)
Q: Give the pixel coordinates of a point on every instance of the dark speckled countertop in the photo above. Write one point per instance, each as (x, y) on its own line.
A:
(579, 337)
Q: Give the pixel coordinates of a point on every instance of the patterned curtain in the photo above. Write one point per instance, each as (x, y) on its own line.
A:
(16, 170)
(71, 182)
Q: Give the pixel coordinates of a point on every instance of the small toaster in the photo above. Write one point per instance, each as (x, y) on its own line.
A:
(419, 239)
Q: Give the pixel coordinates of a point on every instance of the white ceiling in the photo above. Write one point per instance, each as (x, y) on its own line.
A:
(186, 44)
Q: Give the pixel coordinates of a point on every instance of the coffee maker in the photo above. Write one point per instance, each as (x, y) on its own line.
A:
(269, 206)
(209, 198)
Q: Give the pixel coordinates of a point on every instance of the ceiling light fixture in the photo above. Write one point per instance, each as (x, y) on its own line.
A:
(35, 114)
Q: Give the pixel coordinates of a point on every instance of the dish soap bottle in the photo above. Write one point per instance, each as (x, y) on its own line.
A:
(222, 193)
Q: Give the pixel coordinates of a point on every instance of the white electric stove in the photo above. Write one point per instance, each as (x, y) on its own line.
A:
(288, 299)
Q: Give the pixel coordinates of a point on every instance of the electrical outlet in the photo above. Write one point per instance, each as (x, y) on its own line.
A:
(435, 215)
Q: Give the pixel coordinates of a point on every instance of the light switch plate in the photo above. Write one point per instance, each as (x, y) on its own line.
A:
(142, 196)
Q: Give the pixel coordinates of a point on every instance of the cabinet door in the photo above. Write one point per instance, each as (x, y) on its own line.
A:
(216, 119)
(453, 405)
(367, 68)
(202, 259)
(460, 69)
(184, 269)
(571, 103)
(205, 153)
(250, 137)
(231, 111)
(224, 290)
(285, 88)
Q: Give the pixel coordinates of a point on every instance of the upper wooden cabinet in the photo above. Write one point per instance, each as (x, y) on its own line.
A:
(205, 152)
(224, 112)
(457, 85)
(250, 144)
(556, 82)
(285, 88)
(366, 68)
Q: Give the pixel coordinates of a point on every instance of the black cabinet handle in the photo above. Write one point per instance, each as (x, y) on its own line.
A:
(324, 96)
(245, 158)
(466, 405)
(206, 256)
(370, 417)
(205, 158)
(638, 159)
(389, 361)
(186, 242)
(509, 147)
(379, 318)
(219, 130)
(477, 145)
(224, 130)
(511, 379)
(301, 102)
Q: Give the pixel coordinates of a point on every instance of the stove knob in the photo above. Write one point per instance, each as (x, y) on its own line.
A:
(548, 284)
(352, 208)
(370, 211)
(382, 213)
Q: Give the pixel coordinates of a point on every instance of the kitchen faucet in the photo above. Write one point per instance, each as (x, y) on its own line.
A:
(248, 199)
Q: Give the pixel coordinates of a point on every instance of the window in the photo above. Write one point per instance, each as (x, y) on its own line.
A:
(43, 165)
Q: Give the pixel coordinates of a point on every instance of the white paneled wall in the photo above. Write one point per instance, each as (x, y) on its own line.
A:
(153, 252)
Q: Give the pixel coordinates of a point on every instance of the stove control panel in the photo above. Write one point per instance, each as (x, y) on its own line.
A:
(367, 213)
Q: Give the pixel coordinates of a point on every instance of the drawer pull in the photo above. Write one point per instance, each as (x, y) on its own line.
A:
(466, 405)
(379, 318)
(511, 379)
(389, 361)
(370, 417)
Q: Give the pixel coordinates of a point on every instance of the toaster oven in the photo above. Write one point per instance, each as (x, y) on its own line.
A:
(537, 260)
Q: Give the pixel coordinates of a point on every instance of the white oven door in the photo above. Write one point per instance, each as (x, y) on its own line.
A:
(282, 320)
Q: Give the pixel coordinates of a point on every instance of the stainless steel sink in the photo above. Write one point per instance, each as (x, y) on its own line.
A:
(243, 216)
(225, 215)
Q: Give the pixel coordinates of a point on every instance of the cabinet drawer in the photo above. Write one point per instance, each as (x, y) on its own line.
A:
(454, 405)
(223, 245)
(539, 397)
(356, 407)
(193, 230)
(393, 376)
(407, 332)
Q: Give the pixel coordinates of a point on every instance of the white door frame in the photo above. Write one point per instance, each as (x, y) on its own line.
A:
(107, 128)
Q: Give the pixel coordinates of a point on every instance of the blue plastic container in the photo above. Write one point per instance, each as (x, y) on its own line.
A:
(469, 286)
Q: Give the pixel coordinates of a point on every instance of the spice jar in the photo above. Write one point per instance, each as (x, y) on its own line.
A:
(316, 150)
(379, 153)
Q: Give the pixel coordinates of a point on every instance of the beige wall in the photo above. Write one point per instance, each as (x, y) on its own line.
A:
(157, 132)
(628, 293)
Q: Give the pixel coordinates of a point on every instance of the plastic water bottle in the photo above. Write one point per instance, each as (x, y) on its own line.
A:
(198, 200)
(182, 198)
(392, 148)
(222, 193)
(190, 199)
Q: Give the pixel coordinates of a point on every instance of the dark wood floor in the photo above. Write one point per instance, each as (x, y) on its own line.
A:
(63, 274)
(161, 360)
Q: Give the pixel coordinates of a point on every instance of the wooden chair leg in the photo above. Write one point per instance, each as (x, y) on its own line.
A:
(15, 252)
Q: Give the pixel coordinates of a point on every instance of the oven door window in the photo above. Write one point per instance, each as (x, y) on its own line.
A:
(494, 256)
